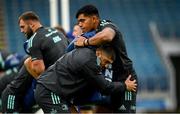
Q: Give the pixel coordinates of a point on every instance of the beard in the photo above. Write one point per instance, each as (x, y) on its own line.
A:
(29, 33)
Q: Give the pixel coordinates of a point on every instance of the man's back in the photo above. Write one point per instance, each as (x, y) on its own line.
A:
(66, 75)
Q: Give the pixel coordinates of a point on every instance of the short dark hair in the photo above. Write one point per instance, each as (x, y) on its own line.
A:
(109, 50)
(88, 10)
(29, 15)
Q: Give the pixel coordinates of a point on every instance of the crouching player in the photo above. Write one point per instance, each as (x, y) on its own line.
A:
(75, 74)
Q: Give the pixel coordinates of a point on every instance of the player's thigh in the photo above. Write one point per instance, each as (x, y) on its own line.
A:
(11, 102)
(49, 101)
(5, 80)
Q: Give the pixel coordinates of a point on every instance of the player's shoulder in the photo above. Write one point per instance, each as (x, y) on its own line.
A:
(42, 33)
(45, 31)
(86, 51)
(107, 23)
(85, 54)
(37, 35)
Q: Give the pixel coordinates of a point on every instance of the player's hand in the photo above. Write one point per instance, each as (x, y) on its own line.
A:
(131, 85)
(80, 41)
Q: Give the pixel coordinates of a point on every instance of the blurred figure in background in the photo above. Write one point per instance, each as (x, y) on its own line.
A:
(9, 66)
(9, 60)
(74, 33)
(77, 31)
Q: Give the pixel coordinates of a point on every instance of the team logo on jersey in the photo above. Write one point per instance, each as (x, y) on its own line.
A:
(108, 73)
(122, 107)
(51, 32)
(104, 22)
(56, 39)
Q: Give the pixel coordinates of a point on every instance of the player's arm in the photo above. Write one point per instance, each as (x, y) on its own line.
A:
(97, 80)
(34, 67)
(106, 35)
(36, 64)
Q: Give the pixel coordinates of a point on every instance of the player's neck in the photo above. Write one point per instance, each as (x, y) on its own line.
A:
(36, 27)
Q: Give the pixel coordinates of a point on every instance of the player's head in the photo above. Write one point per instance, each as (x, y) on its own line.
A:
(77, 31)
(88, 18)
(26, 23)
(106, 55)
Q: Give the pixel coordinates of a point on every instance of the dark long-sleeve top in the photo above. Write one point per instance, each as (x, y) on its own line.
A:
(76, 73)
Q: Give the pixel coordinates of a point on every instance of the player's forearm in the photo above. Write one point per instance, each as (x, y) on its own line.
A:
(38, 66)
(106, 87)
(28, 66)
(104, 36)
(98, 39)
(34, 74)
(38, 69)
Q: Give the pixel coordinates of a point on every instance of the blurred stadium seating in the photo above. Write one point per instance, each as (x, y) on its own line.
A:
(2, 31)
(132, 17)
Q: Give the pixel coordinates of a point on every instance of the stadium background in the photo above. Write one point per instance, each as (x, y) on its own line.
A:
(151, 33)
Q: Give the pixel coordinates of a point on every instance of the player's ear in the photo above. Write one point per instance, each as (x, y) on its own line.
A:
(97, 53)
(30, 23)
(94, 18)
